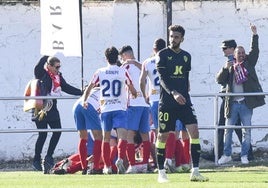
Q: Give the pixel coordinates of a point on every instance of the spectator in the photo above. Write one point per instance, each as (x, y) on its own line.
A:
(240, 77)
(228, 47)
(47, 70)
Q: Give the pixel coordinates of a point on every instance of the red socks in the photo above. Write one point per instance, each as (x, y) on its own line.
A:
(179, 154)
(170, 146)
(186, 150)
(97, 154)
(182, 153)
(82, 150)
(146, 151)
(122, 147)
(131, 154)
(114, 153)
(106, 150)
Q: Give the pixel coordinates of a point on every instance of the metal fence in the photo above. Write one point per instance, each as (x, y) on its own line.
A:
(214, 127)
(27, 2)
(37, 130)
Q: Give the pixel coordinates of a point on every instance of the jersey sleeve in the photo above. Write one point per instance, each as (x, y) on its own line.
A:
(163, 73)
(187, 59)
(95, 78)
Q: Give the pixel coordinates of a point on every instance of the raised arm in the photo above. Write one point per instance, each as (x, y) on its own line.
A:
(39, 70)
(254, 48)
(133, 62)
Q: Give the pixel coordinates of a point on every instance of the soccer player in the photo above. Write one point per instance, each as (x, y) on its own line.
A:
(137, 114)
(73, 163)
(182, 150)
(113, 81)
(173, 65)
(85, 120)
(149, 80)
(149, 70)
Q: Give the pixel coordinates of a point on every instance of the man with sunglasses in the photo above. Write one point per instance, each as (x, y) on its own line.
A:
(239, 76)
(228, 47)
(47, 71)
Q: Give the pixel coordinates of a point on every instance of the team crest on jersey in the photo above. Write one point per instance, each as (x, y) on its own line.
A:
(162, 126)
(169, 58)
(185, 58)
(102, 102)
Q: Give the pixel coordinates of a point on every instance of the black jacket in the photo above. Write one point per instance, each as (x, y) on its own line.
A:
(225, 76)
(41, 74)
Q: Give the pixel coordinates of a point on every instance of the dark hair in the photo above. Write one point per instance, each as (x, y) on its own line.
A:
(125, 49)
(177, 28)
(159, 44)
(52, 61)
(229, 44)
(111, 55)
(118, 63)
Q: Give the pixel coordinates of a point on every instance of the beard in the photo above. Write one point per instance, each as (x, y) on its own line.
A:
(241, 59)
(175, 45)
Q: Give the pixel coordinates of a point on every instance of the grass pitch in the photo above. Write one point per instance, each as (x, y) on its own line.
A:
(237, 177)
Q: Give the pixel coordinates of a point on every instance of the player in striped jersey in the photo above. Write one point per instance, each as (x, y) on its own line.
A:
(149, 69)
(85, 120)
(137, 113)
(151, 92)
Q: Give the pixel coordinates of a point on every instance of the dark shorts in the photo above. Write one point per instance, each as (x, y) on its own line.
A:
(167, 117)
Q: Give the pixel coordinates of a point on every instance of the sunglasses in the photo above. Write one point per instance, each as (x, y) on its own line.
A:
(225, 48)
(57, 67)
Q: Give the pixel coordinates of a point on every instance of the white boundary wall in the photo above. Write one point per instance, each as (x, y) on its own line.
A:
(106, 24)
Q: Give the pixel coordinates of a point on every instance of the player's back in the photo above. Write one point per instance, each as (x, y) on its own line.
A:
(112, 80)
(150, 67)
(135, 74)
